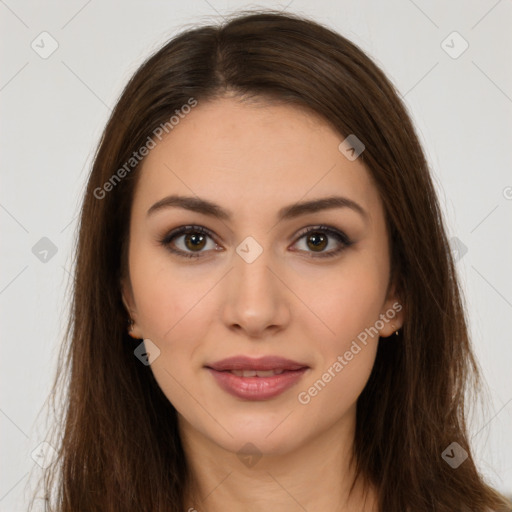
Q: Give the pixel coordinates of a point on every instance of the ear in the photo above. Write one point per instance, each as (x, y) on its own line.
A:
(392, 314)
(129, 303)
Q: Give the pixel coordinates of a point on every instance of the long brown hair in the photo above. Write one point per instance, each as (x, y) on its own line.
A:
(119, 448)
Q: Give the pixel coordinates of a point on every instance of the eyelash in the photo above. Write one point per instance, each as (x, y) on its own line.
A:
(341, 237)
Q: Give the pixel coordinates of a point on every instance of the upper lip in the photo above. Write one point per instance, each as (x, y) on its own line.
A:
(262, 363)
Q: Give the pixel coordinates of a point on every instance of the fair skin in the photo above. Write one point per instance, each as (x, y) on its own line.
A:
(253, 161)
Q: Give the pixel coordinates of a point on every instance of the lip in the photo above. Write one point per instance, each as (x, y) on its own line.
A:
(257, 388)
(261, 363)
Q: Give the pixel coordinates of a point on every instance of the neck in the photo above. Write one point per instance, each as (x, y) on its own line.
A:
(317, 475)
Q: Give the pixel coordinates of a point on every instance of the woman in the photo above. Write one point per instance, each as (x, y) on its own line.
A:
(266, 309)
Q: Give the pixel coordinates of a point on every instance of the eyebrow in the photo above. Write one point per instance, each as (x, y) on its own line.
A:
(211, 209)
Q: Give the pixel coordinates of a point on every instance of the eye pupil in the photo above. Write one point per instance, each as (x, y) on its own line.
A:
(197, 240)
(319, 240)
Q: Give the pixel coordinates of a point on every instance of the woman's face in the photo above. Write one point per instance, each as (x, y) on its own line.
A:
(254, 283)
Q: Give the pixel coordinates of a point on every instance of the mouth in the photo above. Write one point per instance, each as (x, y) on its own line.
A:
(262, 378)
(257, 385)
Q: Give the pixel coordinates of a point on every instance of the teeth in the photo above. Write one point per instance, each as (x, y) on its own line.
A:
(256, 373)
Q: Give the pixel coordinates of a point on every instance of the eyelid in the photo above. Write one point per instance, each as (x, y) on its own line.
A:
(332, 232)
(325, 228)
(184, 230)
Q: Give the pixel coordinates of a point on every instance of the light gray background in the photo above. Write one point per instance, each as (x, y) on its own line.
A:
(53, 111)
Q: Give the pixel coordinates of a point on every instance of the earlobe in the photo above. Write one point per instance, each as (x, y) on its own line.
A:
(127, 298)
(392, 318)
(133, 331)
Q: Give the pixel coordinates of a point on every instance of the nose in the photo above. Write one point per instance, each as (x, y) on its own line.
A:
(256, 298)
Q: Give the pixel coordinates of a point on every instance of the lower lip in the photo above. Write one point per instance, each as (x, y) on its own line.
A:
(257, 388)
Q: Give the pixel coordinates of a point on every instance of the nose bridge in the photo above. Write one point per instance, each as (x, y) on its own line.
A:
(253, 278)
(255, 299)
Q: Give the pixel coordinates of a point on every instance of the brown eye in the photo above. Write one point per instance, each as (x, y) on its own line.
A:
(317, 241)
(189, 241)
(318, 238)
(195, 241)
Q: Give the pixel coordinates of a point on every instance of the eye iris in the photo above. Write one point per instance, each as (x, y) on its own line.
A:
(197, 240)
(319, 240)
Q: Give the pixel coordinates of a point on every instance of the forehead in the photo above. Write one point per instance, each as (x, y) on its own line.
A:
(249, 155)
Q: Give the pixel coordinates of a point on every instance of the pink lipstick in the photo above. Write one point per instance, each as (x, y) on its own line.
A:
(256, 379)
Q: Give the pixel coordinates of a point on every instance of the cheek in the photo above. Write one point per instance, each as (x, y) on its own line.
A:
(349, 304)
(167, 295)
(176, 305)
(347, 300)
(174, 312)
